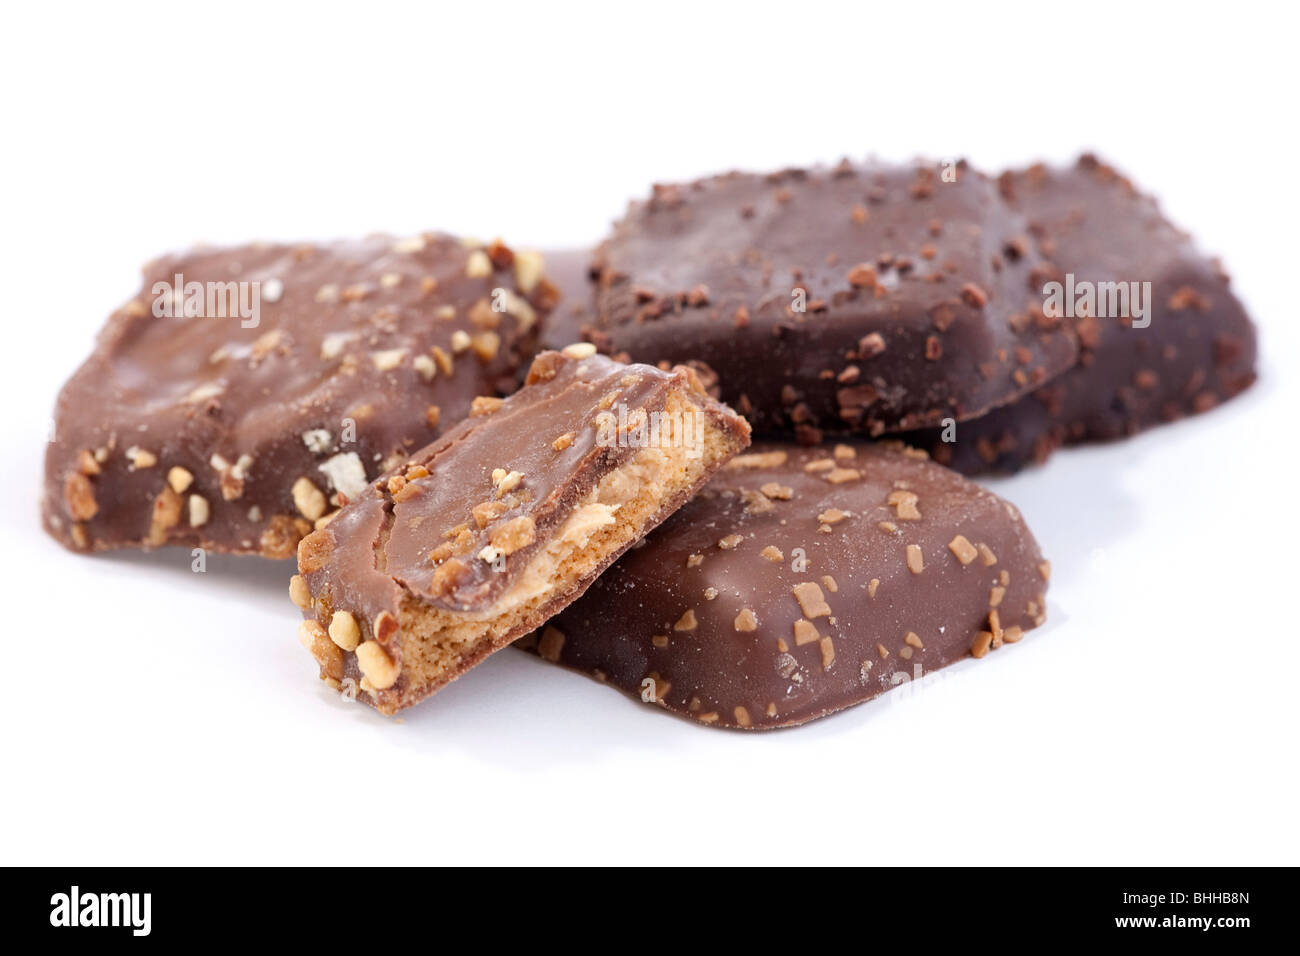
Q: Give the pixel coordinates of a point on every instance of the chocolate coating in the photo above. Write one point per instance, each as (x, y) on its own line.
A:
(1198, 350)
(918, 294)
(359, 352)
(455, 528)
(788, 589)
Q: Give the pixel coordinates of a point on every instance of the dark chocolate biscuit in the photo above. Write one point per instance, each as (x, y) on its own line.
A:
(861, 299)
(245, 393)
(1191, 347)
(498, 525)
(800, 581)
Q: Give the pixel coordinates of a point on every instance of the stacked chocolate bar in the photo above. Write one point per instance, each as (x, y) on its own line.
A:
(875, 326)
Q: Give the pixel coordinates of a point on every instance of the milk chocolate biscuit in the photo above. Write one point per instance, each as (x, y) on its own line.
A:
(1106, 238)
(245, 393)
(571, 319)
(852, 299)
(503, 521)
(800, 581)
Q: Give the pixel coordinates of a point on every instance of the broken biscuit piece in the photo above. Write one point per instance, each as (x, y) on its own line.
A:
(245, 393)
(497, 526)
(806, 617)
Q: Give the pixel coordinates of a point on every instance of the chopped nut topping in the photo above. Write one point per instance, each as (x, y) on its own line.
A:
(508, 481)
(844, 452)
(486, 512)
(200, 511)
(376, 666)
(459, 341)
(777, 491)
(694, 560)
(166, 514)
(731, 541)
(344, 630)
(445, 362)
(424, 367)
(805, 632)
(829, 583)
(308, 499)
(299, 593)
(872, 587)
(837, 476)
(915, 560)
(484, 405)
(742, 716)
(313, 637)
(529, 267)
(811, 600)
(772, 554)
(578, 350)
(766, 459)
(564, 441)
(995, 626)
(983, 641)
(486, 345)
(862, 276)
(974, 296)
(179, 479)
(659, 640)
(832, 516)
(408, 246)
(1012, 634)
(746, 620)
(478, 265)
(314, 550)
(432, 415)
(828, 653)
(996, 595)
(913, 640)
(686, 622)
(964, 551)
(819, 465)
(904, 503)
(87, 465)
(1045, 570)
(79, 495)
(388, 359)
(882, 651)
(987, 555)
(141, 458)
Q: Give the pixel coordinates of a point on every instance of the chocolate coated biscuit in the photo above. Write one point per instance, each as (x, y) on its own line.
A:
(862, 299)
(502, 522)
(800, 581)
(300, 373)
(1197, 351)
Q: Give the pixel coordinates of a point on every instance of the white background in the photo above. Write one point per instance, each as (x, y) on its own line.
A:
(152, 715)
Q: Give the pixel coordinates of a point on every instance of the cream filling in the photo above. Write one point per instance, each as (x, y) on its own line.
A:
(595, 512)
